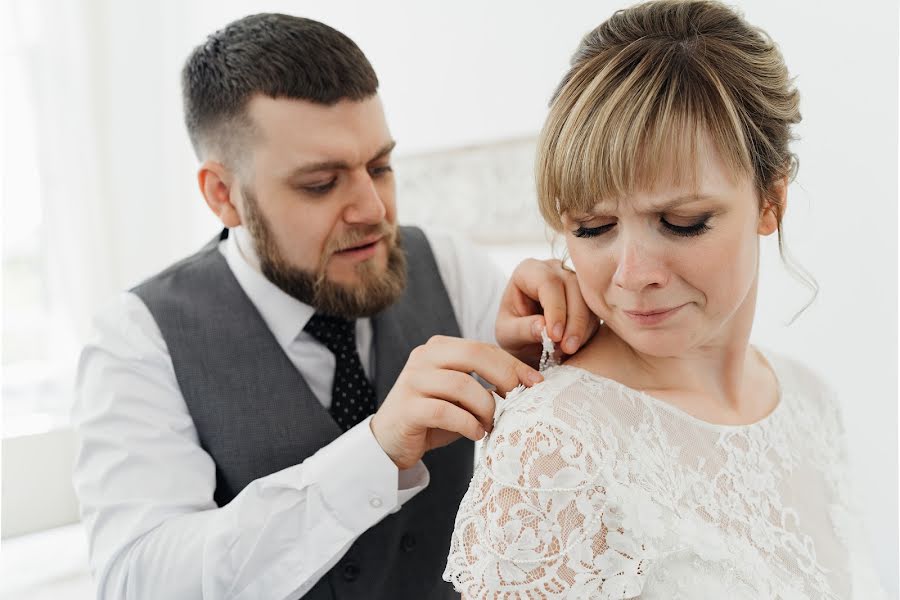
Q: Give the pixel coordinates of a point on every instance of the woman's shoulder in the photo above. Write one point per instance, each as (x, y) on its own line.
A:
(566, 390)
(570, 419)
(806, 393)
(799, 380)
(793, 373)
(536, 513)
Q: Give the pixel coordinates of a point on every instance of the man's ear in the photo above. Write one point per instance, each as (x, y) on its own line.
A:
(215, 182)
(773, 208)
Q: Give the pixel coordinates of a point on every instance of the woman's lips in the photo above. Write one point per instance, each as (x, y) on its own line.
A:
(652, 317)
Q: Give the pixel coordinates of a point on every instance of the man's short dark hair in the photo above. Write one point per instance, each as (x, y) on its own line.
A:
(278, 55)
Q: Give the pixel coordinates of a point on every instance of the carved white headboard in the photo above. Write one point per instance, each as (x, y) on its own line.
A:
(485, 192)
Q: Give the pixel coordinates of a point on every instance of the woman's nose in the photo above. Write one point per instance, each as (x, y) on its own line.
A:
(639, 266)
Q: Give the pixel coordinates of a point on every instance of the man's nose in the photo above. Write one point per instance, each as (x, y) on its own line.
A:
(639, 266)
(366, 204)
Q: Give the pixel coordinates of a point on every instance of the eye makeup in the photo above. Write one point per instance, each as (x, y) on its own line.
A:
(589, 232)
(697, 228)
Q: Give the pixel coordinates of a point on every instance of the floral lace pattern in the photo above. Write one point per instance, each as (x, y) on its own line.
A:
(589, 489)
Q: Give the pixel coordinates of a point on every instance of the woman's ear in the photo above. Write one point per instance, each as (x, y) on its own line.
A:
(215, 182)
(773, 208)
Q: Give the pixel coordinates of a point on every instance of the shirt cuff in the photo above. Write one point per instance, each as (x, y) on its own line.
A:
(358, 481)
(411, 481)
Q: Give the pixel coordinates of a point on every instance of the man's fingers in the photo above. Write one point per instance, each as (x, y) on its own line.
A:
(502, 370)
(580, 321)
(438, 438)
(457, 387)
(522, 305)
(552, 296)
(440, 414)
(514, 333)
(491, 363)
(524, 374)
(540, 281)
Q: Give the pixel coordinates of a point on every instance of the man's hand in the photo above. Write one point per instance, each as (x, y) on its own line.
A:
(543, 292)
(435, 400)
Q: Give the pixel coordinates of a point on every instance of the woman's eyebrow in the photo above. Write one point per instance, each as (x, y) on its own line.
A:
(681, 200)
(606, 209)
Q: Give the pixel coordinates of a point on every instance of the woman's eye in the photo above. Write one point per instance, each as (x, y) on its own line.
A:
(589, 232)
(698, 228)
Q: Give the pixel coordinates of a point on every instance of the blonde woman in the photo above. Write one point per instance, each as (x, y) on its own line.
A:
(667, 458)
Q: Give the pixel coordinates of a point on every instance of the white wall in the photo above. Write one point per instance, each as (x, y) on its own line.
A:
(475, 72)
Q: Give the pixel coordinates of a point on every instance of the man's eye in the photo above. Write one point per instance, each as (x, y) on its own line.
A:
(319, 190)
(382, 170)
(589, 232)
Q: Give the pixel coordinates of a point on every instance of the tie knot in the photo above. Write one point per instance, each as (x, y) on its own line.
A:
(335, 333)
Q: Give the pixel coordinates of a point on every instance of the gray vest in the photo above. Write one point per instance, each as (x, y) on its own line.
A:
(255, 414)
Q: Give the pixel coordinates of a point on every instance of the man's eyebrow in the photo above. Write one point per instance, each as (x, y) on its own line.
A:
(385, 150)
(335, 165)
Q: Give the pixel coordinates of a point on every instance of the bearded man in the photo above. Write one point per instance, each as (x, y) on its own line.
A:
(288, 412)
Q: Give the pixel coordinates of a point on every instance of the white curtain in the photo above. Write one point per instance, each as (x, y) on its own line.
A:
(116, 168)
(80, 259)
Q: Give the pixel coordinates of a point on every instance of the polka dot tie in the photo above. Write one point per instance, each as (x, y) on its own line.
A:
(352, 396)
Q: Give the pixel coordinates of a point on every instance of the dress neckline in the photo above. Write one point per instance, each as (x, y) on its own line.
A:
(669, 407)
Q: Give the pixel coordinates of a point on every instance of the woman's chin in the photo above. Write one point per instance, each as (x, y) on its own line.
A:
(661, 344)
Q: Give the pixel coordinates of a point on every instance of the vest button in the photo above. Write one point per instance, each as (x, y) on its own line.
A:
(408, 542)
(350, 571)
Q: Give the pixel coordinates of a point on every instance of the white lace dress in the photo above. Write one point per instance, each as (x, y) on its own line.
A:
(590, 489)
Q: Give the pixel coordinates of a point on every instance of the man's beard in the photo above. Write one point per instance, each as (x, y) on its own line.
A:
(374, 292)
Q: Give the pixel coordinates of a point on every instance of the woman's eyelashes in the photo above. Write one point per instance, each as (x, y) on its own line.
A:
(589, 232)
(694, 229)
(698, 228)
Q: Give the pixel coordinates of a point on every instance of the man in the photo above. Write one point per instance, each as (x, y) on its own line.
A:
(276, 415)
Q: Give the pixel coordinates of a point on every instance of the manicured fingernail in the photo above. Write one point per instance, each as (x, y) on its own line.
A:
(536, 329)
(571, 344)
(535, 377)
(557, 331)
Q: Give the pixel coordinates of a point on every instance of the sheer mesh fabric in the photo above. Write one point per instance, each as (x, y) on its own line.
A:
(589, 489)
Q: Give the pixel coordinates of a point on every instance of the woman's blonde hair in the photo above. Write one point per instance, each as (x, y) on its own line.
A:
(651, 84)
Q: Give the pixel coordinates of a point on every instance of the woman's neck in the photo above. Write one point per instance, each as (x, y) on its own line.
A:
(722, 380)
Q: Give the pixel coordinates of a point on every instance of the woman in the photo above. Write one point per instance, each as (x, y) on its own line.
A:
(667, 458)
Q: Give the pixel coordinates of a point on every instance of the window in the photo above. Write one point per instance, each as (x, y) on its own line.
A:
(37, 357)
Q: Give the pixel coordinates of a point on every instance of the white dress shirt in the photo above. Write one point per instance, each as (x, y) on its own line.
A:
(146, 486)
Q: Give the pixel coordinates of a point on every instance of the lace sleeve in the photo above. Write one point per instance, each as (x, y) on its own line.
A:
(535, 523)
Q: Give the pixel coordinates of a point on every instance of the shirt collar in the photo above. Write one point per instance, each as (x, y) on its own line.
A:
(285, 315)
